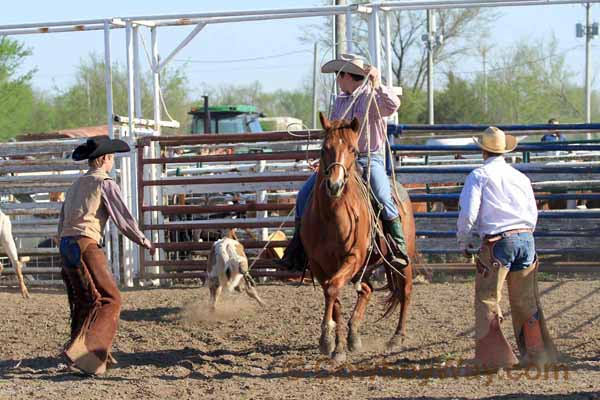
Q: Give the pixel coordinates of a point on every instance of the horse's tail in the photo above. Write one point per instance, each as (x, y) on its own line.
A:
(399, 281)
(396, 281)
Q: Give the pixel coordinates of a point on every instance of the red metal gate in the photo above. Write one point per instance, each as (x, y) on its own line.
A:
(254, 174)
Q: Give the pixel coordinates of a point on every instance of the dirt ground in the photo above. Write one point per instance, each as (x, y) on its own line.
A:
(169, 346)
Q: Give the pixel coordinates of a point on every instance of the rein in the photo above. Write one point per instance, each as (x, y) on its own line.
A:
(327, 171)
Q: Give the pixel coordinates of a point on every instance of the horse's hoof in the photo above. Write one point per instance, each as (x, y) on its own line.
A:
(325, 346)
(395, 342)
(339, 356)
(354, 344)
(327, 341)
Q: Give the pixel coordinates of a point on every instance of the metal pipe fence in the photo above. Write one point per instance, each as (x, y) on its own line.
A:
(209, 191)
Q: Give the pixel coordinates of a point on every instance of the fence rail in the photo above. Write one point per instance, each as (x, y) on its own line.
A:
(33, 175)
(210, 182)
(185, 195)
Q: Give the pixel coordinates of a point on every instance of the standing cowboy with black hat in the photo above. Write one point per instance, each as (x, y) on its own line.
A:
(497, 206)
(94, 298)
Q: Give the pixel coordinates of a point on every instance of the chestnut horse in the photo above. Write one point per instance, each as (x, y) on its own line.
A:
(337, 234)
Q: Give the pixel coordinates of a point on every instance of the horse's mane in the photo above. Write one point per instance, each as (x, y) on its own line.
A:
(340, 129)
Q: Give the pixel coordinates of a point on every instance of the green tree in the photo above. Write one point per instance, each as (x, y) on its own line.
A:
(459, 103)
(531, 83)
(84, 102)
(413, 109)
(16, 95)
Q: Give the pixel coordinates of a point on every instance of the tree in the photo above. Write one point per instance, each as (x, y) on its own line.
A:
(531, 83)
(16, 95)
(459, 103)
(84, 102)
(413, 109)
(409, 52)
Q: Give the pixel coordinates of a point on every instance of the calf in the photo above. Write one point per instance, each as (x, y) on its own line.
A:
(227, 268)
(8, 244)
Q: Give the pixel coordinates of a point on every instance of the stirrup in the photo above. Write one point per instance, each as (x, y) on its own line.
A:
(400, 261)
(289, 263)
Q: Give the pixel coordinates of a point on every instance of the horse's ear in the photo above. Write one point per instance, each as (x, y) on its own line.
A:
(325, 123)
(355, 124)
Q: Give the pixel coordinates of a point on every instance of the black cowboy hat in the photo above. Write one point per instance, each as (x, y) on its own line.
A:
(99, 146)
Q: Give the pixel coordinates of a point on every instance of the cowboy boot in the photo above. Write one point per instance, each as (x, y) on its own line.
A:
(294, 257)
(399, 252)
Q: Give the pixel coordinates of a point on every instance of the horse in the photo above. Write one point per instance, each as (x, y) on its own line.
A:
(337, 234)
(8, 243)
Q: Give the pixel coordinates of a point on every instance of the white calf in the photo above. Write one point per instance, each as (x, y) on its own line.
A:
(8, 244)
(227, 268)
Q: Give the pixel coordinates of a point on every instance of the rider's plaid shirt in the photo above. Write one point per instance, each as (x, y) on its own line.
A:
(346, 107)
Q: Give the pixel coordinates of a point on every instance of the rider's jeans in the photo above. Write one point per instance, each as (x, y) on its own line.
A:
(516, 251)
(380, 185)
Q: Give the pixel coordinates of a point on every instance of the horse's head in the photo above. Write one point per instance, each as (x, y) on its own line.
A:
(338, 153)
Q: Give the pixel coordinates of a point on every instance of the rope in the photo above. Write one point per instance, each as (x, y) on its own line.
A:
(365, 187)
(160, 92)
(307, 136)
(270, 240)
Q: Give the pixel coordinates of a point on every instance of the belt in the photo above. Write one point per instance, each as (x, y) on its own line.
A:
(509, 233)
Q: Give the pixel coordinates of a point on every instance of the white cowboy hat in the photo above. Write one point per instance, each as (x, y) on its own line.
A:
(350, 63)
(496, 141)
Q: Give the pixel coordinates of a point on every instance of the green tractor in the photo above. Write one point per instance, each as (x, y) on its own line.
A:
(237, 118)
(241, 118)
(225, 119)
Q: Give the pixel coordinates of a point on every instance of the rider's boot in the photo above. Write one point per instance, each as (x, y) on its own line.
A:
(294, 257)
(399, 252)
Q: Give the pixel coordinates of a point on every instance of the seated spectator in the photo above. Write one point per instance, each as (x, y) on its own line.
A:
(553, 136)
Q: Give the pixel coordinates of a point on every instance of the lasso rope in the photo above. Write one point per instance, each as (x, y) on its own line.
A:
(270, 240)
(365, 187)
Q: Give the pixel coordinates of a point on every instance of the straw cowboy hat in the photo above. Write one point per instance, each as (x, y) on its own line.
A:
(350, 63)
(496, 141)
(99, 146)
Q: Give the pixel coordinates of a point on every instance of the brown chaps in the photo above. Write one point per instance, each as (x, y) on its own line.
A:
(533, 339)
(94, 301)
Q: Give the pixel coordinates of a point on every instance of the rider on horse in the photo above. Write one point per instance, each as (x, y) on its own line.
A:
(370, 102)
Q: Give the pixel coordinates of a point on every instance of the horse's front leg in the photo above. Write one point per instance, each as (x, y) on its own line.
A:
(8, 243)
(333, 324)
(354, 341)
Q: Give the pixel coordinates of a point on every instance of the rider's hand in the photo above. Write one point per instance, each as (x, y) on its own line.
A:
(469, 251)
(374, 76)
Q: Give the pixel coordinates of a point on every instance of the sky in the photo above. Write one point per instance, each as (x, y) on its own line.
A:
(55, 56)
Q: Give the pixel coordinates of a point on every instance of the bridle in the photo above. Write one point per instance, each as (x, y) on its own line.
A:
(327, 170)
